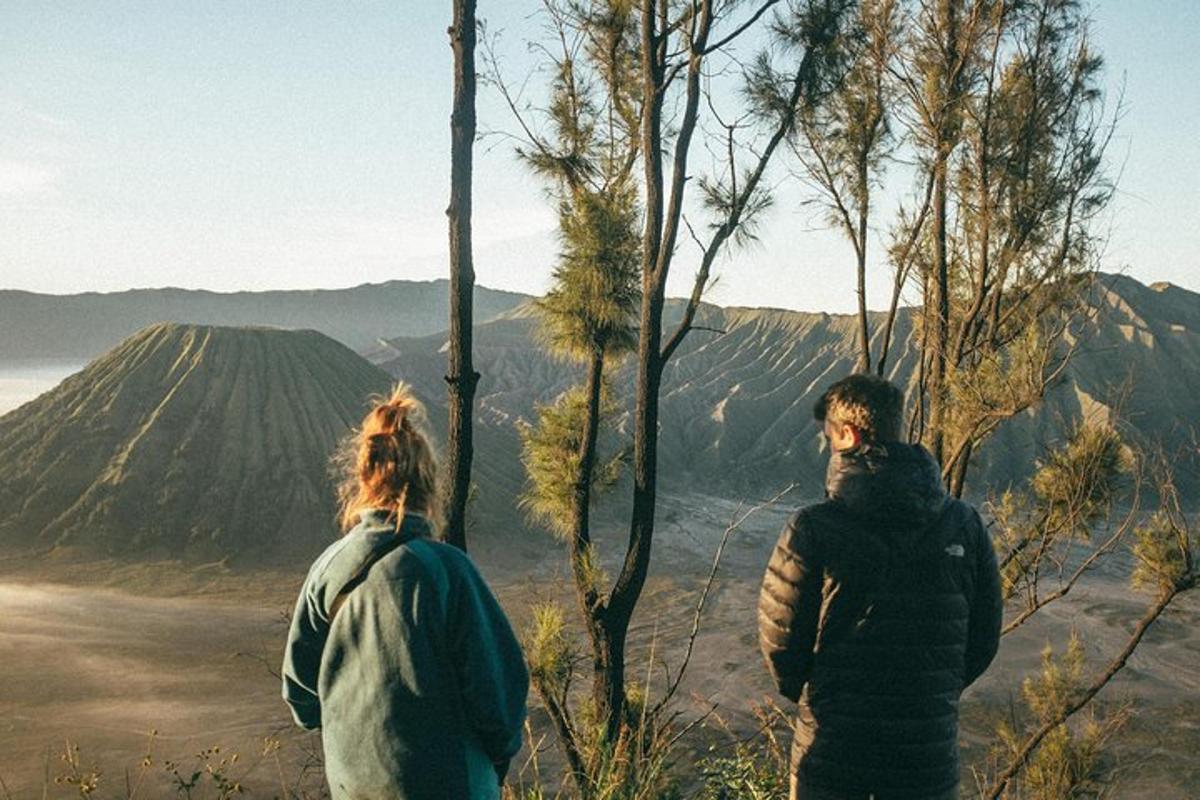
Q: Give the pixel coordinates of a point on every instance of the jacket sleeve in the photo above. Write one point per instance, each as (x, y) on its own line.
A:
(987, 608)
(789, 607)
(302, 658)
(491, 668)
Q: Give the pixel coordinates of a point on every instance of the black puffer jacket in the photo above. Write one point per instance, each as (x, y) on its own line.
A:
(879, 606)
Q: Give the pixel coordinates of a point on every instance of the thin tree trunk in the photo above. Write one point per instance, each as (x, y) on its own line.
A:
(581, 538)
(609, 687)
(973, 321)
(864, 327)
(657, 251)
(958, 470)
(949, 98)
(658, 244)
(556, 709)
(462, 377)
(889, 325)
(586, 591)
(903, 265)
(625, 593)
(940, 300)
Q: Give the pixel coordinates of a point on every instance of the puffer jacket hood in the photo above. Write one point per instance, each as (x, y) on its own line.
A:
(892, 481)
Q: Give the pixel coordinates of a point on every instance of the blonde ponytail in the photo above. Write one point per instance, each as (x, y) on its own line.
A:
(388, 461)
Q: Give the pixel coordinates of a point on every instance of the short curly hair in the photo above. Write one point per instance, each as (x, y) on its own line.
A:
(873, 405)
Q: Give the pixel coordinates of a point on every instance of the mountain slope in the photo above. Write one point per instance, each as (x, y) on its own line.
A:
(83, 326)
(186, 441)
(736, 414)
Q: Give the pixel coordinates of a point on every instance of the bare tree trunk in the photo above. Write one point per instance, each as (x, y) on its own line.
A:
(948, 97)
(581, 537)
(609, 687)
(462, 377)
(903, 265)
(958, 471)
(556, 709)
(889, 325)
(939, 299)
(663, 212)
(610, 690)
(587, 592)
(864, 328)
(608, 640)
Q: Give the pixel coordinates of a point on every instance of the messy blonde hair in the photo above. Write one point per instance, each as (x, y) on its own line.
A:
(388, 462)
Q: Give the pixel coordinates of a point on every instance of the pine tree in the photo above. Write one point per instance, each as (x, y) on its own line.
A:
(587, 317)
(1007, 120)
(621, 65)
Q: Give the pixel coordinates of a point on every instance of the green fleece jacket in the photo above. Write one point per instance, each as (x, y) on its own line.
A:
(417, 682)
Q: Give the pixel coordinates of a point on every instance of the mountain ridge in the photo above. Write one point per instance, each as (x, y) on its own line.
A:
(85, 325)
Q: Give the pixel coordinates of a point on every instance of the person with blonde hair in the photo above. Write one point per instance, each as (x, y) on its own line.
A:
(398, 651)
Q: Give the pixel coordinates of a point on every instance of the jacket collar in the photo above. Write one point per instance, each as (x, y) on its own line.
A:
(411, 526)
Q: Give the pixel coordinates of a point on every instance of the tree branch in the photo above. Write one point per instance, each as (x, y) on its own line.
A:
(731, 222)
(734, 524)
(739, 30)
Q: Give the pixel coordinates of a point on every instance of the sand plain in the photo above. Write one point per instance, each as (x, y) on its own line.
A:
(101, 655)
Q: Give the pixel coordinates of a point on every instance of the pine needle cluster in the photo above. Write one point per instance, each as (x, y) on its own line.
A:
(591, 304)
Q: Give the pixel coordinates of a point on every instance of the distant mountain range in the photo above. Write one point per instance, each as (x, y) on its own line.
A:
(213, 441)
(83, 326)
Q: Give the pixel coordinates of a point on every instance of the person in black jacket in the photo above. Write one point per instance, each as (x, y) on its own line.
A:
(878, 607)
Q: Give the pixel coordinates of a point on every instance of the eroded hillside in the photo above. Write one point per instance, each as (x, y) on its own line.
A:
(186, 441)
(737, 400)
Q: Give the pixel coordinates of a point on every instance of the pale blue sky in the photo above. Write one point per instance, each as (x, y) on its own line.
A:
(254, 145)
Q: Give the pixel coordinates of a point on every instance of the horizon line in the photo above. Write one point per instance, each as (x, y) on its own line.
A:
(1154, 285)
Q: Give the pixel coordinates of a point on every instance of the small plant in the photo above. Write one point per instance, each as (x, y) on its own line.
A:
(638, 765)
(1069, 763)
(758, 768)
(209, 769)
(744, 775)
(85, 781)
(211, 774)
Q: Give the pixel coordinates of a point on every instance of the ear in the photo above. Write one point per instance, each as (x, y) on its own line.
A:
(851, 435)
